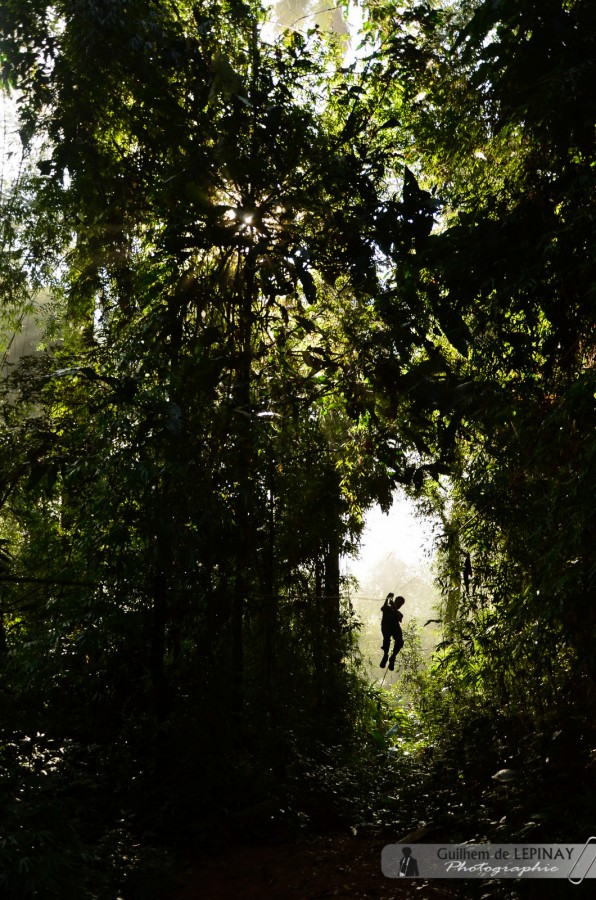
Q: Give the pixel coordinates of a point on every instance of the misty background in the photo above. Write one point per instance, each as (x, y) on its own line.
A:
(396, 555)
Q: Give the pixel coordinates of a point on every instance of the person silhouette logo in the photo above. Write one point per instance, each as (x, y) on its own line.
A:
(408, 866)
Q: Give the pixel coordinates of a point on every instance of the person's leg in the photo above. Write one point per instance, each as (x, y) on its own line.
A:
(398, 642)
(385, 649)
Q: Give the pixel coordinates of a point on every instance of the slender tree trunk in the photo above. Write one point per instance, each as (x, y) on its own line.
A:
(158, 646)
(160, 534)
(244, 440)
(452, 604)
(270, 604)
(320, 636)
(332, 610)
(3, 643)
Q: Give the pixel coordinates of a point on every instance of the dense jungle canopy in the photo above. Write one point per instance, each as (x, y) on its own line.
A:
(276, 273)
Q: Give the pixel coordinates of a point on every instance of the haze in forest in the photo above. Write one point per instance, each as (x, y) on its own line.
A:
(396, 554)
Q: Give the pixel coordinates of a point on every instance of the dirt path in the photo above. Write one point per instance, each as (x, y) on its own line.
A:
(316, 866)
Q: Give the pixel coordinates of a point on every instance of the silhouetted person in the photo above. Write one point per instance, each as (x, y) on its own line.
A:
(391, 629)
(387, 627)
(398, 638)
(407, 864)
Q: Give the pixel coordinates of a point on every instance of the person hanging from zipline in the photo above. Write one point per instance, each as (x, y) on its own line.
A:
(391, 629)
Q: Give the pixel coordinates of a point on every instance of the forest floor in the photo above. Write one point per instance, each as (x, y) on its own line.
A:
(336, 864)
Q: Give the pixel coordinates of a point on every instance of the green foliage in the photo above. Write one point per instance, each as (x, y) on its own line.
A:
(277, 286)
(507, 279)
(63, 831)
(182, 462)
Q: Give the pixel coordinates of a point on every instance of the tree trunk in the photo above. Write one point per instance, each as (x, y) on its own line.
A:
(270, 606)
(158, 645)
(331, 608)
(244, 437)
